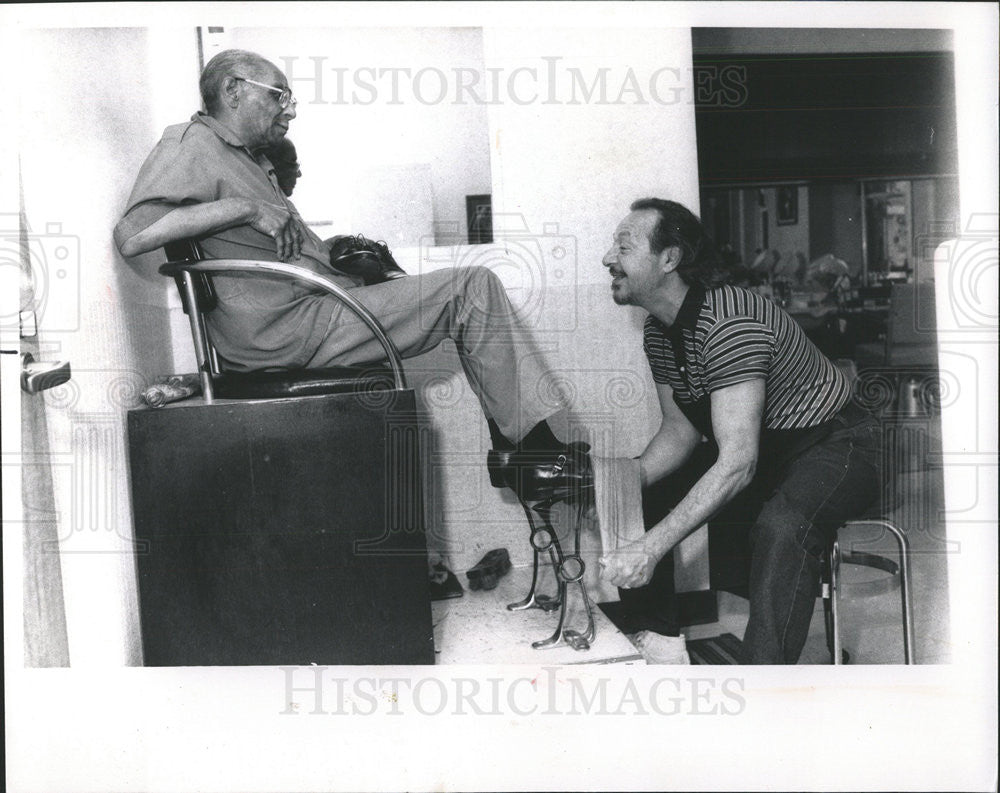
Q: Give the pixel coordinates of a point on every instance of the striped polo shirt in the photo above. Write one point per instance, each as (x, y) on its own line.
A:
(731, 335)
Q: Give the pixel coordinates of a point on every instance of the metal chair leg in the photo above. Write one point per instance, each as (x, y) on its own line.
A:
(905, 594)
(870, 560)
(827, 605)
(838, 657)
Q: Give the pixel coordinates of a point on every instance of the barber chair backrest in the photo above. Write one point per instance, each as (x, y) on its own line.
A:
(190, 250)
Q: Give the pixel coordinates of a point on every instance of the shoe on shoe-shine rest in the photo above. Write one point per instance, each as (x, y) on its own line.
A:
(542, 474)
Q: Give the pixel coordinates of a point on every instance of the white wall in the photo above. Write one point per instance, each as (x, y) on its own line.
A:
(364, 130)
(89, 103)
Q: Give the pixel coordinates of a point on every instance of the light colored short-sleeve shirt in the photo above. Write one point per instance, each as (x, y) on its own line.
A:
(260, 322)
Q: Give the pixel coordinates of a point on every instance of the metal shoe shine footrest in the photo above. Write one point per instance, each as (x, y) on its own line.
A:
(569, 570)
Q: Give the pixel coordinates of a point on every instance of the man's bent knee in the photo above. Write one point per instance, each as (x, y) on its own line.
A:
(479, 278)
(481, 289)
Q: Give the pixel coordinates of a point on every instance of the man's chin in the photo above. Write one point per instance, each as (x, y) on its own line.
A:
(620, 297)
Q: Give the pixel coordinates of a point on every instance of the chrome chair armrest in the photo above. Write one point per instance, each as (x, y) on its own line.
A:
(302, 274)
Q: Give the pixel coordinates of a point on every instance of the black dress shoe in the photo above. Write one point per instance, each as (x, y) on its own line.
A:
(551, 475)
(496, 462)
(500, 462)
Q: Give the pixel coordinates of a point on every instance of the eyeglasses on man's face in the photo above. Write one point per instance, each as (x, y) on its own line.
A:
(285, 97)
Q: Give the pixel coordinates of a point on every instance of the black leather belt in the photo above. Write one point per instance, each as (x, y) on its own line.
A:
(852, 413)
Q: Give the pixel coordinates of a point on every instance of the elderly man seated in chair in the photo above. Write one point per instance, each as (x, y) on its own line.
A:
(209, 180)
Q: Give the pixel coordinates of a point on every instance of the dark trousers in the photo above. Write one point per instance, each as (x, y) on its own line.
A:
(785, 519)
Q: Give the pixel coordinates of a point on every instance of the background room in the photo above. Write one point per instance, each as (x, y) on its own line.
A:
(828, 173)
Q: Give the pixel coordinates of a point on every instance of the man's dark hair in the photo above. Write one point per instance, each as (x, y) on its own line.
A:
(228, 63)
(282, 153)
(678, 226)
(286, 164)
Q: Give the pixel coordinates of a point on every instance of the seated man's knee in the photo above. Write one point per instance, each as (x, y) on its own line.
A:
(480, 279)
(482, 288)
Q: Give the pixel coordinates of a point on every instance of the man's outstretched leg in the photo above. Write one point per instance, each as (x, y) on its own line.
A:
(469, 305)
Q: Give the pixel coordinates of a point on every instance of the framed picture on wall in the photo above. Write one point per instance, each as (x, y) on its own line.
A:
(479, 216)
(788, 206)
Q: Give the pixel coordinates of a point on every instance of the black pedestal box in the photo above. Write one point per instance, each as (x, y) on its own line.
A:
(277, 532)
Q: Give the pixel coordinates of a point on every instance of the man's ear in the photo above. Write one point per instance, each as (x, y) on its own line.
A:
(669, 259)
(230, 92)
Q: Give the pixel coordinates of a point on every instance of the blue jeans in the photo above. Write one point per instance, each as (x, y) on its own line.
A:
(785, 519)
(829, 483)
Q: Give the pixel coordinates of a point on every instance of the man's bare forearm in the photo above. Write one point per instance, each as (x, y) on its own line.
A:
(710, 493)
(737, 416)
(668, 450)
(190, 221)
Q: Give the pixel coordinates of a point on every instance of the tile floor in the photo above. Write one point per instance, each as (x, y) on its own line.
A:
(478, 628)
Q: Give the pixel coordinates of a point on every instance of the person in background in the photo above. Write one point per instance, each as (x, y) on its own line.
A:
(285, 160)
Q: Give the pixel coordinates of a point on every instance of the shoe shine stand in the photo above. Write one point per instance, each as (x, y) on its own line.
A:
(568, 569)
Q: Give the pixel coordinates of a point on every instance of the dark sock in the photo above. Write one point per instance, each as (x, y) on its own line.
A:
(541, 439)
(500, 441)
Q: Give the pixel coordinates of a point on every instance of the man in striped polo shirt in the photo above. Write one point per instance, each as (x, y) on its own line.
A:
(786, 446)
